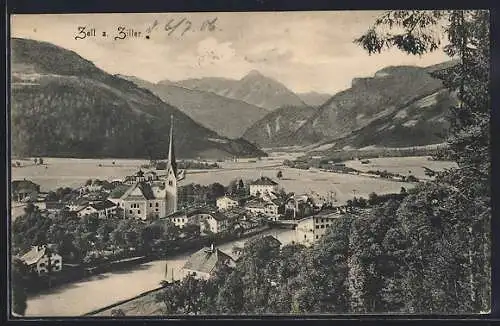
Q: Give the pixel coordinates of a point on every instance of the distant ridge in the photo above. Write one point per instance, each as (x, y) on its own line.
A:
(228, 117)
(254, 88)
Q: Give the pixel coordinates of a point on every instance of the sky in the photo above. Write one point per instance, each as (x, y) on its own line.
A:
(306, 51)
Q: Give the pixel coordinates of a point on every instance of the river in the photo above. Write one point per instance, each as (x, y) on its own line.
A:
(76, 299)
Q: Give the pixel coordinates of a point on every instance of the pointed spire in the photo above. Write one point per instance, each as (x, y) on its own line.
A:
(171, 154)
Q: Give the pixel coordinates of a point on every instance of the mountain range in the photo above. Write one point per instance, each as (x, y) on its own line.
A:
(62, 105)
(254, 88)
(398, 106)
(226, 116)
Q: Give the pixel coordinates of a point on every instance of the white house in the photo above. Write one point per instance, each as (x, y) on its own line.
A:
(226, 202)
(271, 208)
(213, 222)
(37, 259)
(180, 218)
(262, 186)
(311, 229)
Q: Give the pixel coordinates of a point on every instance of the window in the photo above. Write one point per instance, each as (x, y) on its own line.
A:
(42, 265)
(138, 211)
(317, 237)
(150, 204)
(130, 211)
(317, 226)
(304, 236)
(157, 209)
(322, 220)
(56, 261)
(157, 205)
(322, 226)
(170, 182)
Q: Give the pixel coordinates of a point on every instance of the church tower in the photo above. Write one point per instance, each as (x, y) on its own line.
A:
(171, 180)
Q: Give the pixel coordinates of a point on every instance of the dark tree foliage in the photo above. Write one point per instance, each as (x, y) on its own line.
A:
(18, 290)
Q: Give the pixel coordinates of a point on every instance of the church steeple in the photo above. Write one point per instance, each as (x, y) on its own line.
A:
(171, 154)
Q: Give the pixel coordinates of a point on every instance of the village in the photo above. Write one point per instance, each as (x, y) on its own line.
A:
(152, 198)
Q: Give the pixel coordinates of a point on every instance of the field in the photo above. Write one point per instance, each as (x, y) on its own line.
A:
(403, 165)
(58, 172)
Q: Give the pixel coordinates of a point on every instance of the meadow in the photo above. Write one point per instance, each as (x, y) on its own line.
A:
(64, 172)
(413, 165)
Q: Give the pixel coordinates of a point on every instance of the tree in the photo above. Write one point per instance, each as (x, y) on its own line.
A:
(35, 160)
(18, 278)
(233, 187)
(40, 160)
(185, 297)
(467, 206)
(191, 230)
(373, 199)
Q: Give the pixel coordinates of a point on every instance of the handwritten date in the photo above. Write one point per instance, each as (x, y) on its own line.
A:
(183, 25)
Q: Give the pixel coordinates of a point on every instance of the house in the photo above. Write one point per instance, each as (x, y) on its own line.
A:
(24, 190)
(269, 196)
(272, 208)
(140, 176)
(256, 206)
(78, 204)
(262, 186)
(181, 218)
(214, 222)
(205, 262)
(103, 209)
(311, 229)
(226, 202)
(300, 205)
(38, 258)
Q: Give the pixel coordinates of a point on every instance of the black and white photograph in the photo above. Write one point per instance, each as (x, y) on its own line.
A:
(291, 163)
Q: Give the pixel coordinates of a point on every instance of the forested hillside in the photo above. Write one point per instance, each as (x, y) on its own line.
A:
(64, 106)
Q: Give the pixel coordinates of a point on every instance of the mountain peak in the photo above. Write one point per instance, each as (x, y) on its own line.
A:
(254, 73)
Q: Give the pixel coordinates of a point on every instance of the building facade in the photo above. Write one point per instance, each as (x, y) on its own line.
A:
(226, 202)
(311, 229)
(40, 259)
(262, 186)
(213, 222)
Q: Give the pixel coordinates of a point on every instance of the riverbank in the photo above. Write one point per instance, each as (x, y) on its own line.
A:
(75, 273)
(89, 294)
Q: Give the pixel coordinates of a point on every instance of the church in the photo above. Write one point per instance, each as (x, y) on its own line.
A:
(150, 195)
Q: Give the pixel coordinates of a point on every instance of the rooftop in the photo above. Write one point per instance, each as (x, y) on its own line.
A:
(207, 260)
(103, 205)
(35, 253)
(264, 181)
(145, 190)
